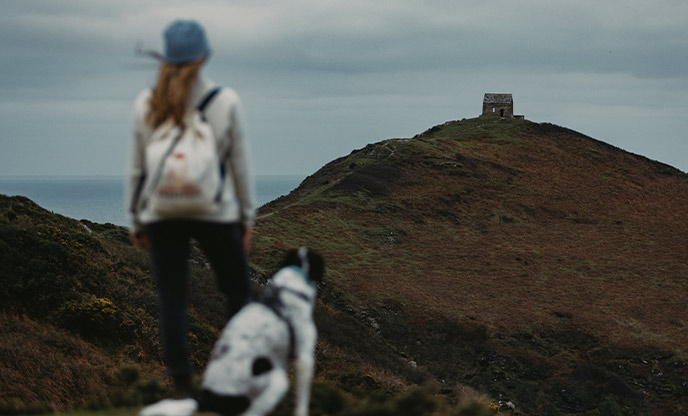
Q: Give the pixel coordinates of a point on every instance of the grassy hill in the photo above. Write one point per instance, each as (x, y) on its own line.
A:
(78, 316)
(525, 261)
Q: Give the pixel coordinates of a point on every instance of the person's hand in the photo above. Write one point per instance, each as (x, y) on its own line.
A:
(246, 239)
(138, 238)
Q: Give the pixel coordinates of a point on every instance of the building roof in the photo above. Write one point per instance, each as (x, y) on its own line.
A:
(491, 98)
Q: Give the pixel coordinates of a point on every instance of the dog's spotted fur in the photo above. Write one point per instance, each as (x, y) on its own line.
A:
(247, 374)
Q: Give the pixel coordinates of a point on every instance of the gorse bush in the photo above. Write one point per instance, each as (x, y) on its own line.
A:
(91, 317)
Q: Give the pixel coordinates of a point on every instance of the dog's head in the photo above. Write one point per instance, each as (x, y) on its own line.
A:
(312, 264)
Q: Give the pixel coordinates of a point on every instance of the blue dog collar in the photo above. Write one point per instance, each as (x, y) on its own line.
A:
(301, 273)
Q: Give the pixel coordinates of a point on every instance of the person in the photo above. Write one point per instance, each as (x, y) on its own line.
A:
(225, 234)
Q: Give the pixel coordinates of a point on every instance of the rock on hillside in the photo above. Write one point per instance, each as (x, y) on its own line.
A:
(527, 260)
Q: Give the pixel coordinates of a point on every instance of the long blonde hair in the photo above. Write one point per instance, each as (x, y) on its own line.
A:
(171, 92)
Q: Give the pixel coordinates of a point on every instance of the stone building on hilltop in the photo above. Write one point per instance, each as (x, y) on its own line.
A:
(501, 105)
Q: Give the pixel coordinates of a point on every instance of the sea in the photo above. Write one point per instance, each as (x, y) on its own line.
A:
(100, 198)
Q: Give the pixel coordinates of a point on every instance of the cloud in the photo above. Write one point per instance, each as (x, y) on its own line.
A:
(521, 36)
(358, 36)
(319, 78)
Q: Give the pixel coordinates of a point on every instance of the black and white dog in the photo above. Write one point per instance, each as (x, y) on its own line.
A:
(247, 374)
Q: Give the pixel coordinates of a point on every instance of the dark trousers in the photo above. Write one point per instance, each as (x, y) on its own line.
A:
(169, 245)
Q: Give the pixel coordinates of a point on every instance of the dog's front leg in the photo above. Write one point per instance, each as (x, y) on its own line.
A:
(306, 336)
(268, 399)
(304, 375)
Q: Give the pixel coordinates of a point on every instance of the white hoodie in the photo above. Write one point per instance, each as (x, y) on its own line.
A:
(225, 116)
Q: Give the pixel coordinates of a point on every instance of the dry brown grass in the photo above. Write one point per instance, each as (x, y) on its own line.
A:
(522, 228)
(45, 366)
(527, 261)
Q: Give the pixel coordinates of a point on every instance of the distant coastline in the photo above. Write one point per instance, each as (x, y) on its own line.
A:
(100, 198)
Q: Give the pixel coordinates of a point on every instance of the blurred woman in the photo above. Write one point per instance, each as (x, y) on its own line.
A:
(224, 234)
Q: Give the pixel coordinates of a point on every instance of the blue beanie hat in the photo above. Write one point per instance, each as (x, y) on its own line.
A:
(185, 42)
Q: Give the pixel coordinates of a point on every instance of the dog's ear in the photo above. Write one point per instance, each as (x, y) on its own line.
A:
(291, 259)
(315, 266)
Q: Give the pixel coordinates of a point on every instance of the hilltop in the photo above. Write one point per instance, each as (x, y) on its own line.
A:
(527, 261)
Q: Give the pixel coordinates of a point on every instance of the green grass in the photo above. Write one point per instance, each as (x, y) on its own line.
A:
(327, 399)
(133, 411)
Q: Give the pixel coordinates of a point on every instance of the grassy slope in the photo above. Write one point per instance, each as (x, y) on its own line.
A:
(78, 313)
(79, 329)
(524, 260)
(528, 260)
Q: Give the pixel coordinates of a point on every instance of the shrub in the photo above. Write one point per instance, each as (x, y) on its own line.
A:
(129, 374)
(91, 317)
(10, 214)
(151, 391)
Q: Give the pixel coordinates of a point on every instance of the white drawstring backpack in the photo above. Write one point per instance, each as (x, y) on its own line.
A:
(184, 174)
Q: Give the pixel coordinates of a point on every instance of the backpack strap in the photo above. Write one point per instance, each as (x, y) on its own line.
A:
(206, 100)
(201, 109)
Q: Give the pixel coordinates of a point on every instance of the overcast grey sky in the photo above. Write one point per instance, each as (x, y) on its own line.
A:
(321, 78)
